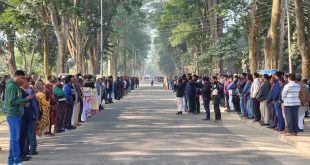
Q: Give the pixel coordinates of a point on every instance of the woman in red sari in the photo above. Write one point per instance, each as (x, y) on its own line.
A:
(52, 107)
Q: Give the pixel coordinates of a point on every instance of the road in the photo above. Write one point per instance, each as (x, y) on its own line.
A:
(143, 129)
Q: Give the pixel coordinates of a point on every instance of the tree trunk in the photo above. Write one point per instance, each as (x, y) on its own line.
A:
(302, 39)
(272, 43)
(254, 36)
(10, 58)
(282, 34)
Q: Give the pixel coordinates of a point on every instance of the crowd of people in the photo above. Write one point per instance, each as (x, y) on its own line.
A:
(37, 108)
(279, 101)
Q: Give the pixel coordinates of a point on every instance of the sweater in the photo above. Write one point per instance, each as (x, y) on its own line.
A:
(290, 94)
(13, 99)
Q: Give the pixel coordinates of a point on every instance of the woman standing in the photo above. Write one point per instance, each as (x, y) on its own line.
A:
(44, 117)
(60, 96)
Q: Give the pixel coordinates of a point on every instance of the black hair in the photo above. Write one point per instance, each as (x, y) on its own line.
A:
(250, 77)
(278, 74)
(214, 77)
(292, 76)
(244, 74)
(266, 76)
(256, 75)
(19, 73)
(68, 78)
(281, 79)
(298, 77)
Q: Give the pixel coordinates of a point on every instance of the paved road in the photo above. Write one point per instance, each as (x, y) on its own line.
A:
(144, 130)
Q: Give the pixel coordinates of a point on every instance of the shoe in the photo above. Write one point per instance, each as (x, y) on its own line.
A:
(295, 134)
(300, 130)
(34, 153)
(179, 113)
(25, 158)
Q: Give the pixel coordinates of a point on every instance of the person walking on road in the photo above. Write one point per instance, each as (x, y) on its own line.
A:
(15, 110)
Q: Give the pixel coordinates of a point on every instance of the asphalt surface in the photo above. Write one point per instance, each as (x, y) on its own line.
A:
(143, 129)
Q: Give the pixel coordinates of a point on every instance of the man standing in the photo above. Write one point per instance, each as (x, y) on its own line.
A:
(67, 88)
(262, 97)
(304, 97)
(216, 93)
(27, 118)
(15, 110)
(254, 91)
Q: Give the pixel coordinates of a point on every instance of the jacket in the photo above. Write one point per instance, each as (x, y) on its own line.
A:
(29, 113)
(263, 91)
(13, 99)
(304, 95)
(180, 88)
(206, 90)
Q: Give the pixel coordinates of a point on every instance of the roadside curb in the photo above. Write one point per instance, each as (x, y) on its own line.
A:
(291, 140)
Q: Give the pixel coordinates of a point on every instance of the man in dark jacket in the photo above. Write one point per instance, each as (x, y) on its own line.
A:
(179, 87)
(191, 94)
(217, 89)
(198, 86)
(29, 116)
(206, 95)
(262, 98)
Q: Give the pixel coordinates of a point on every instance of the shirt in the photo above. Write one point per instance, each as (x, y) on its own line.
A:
(255, 88)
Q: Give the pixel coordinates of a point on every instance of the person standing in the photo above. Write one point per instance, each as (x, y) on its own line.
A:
(247, 96)
(60, 96)
(240, 86)
(67, 88)
(291, 101)
(304, 100)
(15, 110)
(197, 86)
(27, 117)
(190, 94)
(44, 117)
(32, 138)
(217, 89)
(179, 96)
(262, 98)
(254, 91)
(206, 96)
(277, 101)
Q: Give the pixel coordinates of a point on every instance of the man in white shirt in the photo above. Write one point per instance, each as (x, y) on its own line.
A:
(254, 91)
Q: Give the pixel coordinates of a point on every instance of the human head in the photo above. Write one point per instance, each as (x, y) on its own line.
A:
(250, 77)
(214, 79)
(278, 74)
(69, 79)
(256, 75)
(298, 77)
(39, 86)
(26, 83)
(266, 77)
(19, 77)
(291, 77)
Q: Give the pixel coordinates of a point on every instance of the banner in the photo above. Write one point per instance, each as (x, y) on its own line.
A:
(90, 103)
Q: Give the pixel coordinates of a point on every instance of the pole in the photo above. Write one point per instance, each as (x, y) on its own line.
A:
(289, 38)
(101, 40)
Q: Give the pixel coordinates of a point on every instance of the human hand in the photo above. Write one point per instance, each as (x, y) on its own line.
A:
(29, 97)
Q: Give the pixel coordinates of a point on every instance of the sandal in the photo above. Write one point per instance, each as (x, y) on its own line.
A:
(288, 134)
